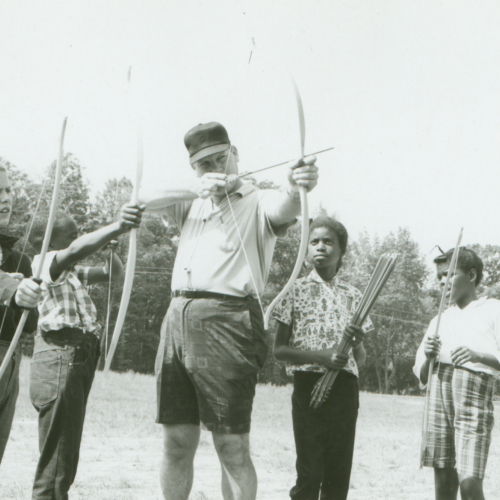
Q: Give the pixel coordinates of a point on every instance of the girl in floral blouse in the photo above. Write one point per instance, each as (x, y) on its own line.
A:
(312, 318)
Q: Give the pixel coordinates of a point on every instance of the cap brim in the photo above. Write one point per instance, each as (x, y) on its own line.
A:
(210, 150)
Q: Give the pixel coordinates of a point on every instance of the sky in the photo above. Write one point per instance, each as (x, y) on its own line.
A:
(408, 94)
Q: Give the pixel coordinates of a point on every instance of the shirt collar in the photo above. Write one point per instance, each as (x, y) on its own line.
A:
(471, 305)
(245, 189)
(314, 276)
(211, 208)
(477, 303)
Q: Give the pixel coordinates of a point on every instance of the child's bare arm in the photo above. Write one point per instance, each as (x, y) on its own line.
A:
(283, 352)
(82, 247)
(432, 346)
(113, 266)
(282, 341)
(355, 335)
(463, 354)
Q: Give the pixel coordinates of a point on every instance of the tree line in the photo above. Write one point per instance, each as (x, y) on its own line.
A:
(401, 315)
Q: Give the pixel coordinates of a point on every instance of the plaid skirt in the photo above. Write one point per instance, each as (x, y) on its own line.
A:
(460, 420)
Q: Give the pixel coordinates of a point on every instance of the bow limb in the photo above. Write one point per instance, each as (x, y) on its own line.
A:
(451, 271)
(130, 269)
(300, 257)
(110, 281)
(45, 247)
(108, 309)
(304, 235)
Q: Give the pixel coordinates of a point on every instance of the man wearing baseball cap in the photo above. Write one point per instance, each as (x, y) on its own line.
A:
(212, 340)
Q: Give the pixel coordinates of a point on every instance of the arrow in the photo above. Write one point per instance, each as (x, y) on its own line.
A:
(232, 178)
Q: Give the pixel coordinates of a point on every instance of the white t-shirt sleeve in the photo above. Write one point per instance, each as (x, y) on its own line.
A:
(45, 274)
(497, 332)
(176, 214)
(268, 206)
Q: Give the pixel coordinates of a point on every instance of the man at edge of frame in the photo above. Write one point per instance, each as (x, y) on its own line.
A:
(16, 292)
(467, 353)
(212, 338)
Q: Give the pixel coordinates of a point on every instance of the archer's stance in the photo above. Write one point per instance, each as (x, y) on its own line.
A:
(212, 339)
(467, 355)
(312, 319)
(67, 343)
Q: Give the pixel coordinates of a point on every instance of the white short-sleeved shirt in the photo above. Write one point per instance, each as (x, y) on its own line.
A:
(476, 326)
(320, 311)
(210, 256)
(65, 302)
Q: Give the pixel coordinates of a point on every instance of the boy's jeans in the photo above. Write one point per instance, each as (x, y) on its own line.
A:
(9, 389)
(62, 372)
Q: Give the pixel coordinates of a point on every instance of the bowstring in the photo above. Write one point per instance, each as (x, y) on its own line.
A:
(30, 226)
(26, 237)
(244, 251)
(231, 206)
(241, 239)
(453, 271)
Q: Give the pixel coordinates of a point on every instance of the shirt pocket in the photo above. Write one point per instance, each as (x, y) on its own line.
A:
(45, 377)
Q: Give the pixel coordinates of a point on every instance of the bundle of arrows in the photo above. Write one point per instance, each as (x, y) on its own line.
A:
(379, 278)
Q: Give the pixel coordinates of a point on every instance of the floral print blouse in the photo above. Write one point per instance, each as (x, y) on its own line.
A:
(319, 312)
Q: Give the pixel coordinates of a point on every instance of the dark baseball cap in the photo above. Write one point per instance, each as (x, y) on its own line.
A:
(206, 139)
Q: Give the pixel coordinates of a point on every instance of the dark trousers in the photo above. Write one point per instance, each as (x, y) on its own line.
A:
(62, 372)
(9, 389)
(324, 437)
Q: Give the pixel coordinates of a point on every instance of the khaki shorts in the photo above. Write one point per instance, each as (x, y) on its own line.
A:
(207, 363)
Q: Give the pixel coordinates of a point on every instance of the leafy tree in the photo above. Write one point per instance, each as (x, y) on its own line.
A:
(283, 262)
(151, 293)
(284, 257)
(400, 315)
(490, 255)
(156, 250)
(74, 195)
(74, 192)
(32, 197)
(25, 195)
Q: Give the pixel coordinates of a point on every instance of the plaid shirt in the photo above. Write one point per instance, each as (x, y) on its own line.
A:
(65, 302)
(319, 311)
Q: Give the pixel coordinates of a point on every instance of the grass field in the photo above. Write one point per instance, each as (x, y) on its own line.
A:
(121, 447)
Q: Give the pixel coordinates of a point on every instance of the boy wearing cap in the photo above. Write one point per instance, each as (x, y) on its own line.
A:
(467, 352)
(212, 341)
(16, 292)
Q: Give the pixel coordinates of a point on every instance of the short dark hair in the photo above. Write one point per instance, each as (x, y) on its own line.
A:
(39, 226)
(337, 228)
(467, 260)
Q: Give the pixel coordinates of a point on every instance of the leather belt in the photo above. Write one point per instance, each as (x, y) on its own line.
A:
(195, 294)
